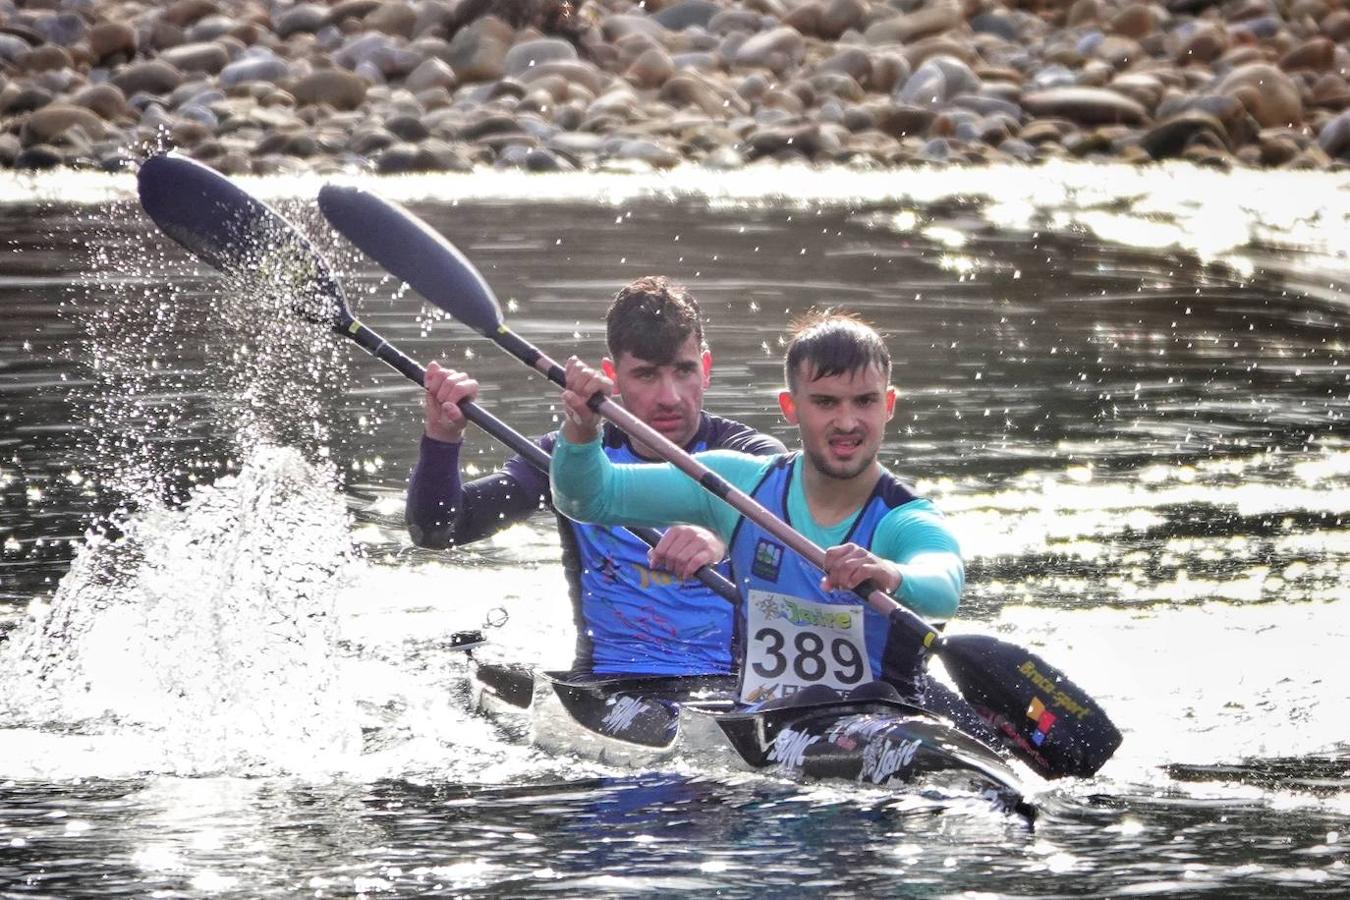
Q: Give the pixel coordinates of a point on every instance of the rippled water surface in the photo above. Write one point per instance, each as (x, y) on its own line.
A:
(224, 671)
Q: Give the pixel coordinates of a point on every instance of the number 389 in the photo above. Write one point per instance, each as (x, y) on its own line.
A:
(807, 657)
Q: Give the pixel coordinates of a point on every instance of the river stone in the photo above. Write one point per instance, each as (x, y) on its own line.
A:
(431, 73)
(351, 9)
(208, 57)
(362, 48)
(305, 18)
(44, 59)
(686, 14)
(1331, 91)
(576, 72)
(260, 67)
(109, 39)
(39, 156)
(900, 121)
(152, 77)
(1168, 139)
(651, 69)
(777, 50)
(106, 100)
(12, 47)
(409, 128)
(46, 124)
(478, 51)
(63, 29)
(1316, 55)
(690, 90)
(851, 61)
(394, 17)
(838, 16)
(730, 21)
(1334, 137)
(185, 12)
(614, 27)
(1134, 21)
(335, 87)
(1084, 106)
(1205, 44)
(9, 148)
(933, 20)
(937, 81)
(1270, 96)
(837, 84)
(22, 98)
(528, 54)
(656, 155)
(212, 28)
(805, 18)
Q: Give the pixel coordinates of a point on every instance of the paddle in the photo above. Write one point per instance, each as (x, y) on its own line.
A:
(1052, 724)
(242, 236)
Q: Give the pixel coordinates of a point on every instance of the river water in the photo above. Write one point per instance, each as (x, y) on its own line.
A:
(224, 671)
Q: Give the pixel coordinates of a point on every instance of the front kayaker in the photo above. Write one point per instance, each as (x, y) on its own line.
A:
(801, 630)
(636, 611)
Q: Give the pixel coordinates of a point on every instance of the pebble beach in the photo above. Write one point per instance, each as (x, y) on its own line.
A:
(392, 86)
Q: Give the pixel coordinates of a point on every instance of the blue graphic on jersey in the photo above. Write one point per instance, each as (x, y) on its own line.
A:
(768, 559)
(641, 620)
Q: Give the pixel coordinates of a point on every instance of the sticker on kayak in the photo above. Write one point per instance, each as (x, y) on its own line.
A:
(795, 643)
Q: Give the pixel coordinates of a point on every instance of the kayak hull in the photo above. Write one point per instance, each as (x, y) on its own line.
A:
(643, 722)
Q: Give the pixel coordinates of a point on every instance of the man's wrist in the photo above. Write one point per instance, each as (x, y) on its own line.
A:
(444, 435)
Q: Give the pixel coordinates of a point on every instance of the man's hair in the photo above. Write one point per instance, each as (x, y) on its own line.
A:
(832, 342)
(651, 319)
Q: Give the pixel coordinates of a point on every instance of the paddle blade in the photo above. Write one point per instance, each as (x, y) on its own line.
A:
(239, 235)
(1051, 723)
(414, 252)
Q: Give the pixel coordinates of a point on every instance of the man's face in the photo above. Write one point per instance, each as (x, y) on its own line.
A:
(668, 397)
(842, 418)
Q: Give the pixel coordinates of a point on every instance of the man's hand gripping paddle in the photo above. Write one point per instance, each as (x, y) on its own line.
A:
(1052, 724)
(240, 235)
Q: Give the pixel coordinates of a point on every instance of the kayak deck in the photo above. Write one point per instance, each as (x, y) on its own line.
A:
(643, 721)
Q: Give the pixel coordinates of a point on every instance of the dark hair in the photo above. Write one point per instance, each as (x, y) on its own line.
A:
(833, 342)
(651, 319)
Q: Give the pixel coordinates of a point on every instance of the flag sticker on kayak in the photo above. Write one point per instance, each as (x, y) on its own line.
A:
(768, 559)
(1043, 718)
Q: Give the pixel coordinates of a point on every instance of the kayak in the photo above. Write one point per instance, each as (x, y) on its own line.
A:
(868, 738)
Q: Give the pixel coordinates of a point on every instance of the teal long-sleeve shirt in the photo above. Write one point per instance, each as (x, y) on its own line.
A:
(588, 487)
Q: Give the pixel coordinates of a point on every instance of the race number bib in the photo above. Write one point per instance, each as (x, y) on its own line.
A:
(794, 643)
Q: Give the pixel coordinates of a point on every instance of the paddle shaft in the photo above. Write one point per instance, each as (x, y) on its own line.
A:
(742, 502)
(531, 452)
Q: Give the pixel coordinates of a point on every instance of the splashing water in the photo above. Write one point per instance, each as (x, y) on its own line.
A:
(207, 628)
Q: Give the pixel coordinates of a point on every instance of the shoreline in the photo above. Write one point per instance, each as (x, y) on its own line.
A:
(392, 86)
(1234, 218)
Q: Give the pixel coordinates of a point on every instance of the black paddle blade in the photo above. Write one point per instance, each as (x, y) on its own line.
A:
(414, 252)
(240, 236)
(1060, 731)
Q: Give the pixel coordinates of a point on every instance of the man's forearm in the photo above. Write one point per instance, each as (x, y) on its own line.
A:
(443, 512)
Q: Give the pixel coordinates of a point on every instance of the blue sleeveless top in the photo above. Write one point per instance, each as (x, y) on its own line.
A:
(631, 619)
(795, 633)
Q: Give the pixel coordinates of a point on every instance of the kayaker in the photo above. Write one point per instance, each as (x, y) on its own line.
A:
(635, 610)
(801, 629)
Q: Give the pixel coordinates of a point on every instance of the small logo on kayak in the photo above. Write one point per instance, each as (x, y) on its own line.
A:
(789, 747)
(882, 759)
(621, 714)
(1043, 718)
(768, 559)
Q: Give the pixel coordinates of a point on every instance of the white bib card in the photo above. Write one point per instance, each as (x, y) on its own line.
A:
(793, 643)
